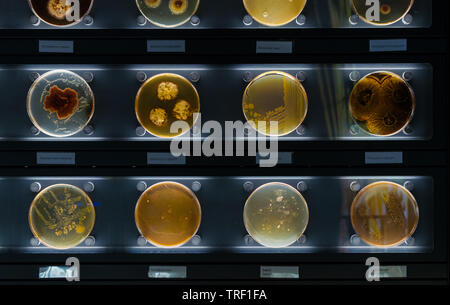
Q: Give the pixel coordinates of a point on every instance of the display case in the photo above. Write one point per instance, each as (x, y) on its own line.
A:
(332, 232)
(329, 236)
(225, 15)
(92, 173)
(221, 90)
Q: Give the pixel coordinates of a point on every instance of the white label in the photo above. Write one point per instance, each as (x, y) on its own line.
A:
(283, 158)
(384, 158)
(276, 272)
(275, 47)
(52, 158)
(389, 45)
(166, 46)
(56, 272)
(56, 46)
(167, 272)
(393, 272)
(165, 159)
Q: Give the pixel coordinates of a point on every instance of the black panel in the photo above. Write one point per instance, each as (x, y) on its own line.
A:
(326, 154)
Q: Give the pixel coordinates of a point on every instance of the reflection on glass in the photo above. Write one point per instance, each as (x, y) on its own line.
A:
(60, 103)
(274, 13)
(276, 215)
(275, 97)
(165, 99)
(168, 214)
(59, 12)
(384, 214)
(168, 13)
(391, 11)
(382, 103)
(61, 216)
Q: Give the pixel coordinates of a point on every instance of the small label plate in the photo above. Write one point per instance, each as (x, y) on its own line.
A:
(165, 159)
(389, 45)
(56, 46)
(274, 47)
(55, 158)
(384, 158)
(166, 46)
(393, 272)
(167, 272)
(277, 272)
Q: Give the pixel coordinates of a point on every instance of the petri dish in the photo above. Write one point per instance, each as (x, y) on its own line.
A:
(168, 13)
(382, 103)
(58, 13)
(275, 97)
(61, 216)
(168, 214)
(276, 215)
(274, 12)
(384, 214)
(165, 99)
(391, 11)
(60, 103)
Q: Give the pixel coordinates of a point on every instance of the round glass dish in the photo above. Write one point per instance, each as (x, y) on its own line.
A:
(61, 216)
(165, 99)
(58, 13)
(275, 97)
(391, 11)
(168, 214)
(60, 103)
(276, 215)
(382, 103)
(168, 13)
(274, 13)
(384, 214)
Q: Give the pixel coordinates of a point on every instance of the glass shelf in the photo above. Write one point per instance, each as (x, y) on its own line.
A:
(220, 87)
(222, 201)
(318, 14)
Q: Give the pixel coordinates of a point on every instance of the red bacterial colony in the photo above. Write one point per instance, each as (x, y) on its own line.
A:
(385, 9)
(63, 102)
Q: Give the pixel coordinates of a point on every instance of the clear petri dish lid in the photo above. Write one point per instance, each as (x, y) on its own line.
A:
(384, 214)
(61, 216)
(59, 13)
(168, 13)
(278, 98)
(390, 11)
(168, 214)
(274, 13)
(276, 215)
(164, 100)
(60, 103)
(382, 103)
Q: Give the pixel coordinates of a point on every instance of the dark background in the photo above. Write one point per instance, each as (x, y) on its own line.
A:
(425, 158)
